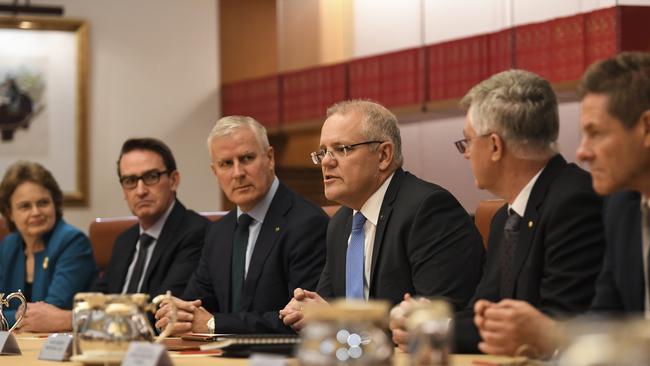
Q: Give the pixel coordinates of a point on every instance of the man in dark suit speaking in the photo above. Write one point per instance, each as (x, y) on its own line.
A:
(254, 257)
(552, 212)
(396, 233)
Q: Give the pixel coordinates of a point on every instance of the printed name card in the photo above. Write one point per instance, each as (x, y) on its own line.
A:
(57, 347)
(146, 354)
(8, 344)
(258, 359)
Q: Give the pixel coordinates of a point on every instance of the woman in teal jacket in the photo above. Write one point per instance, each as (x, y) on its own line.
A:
(44, 257)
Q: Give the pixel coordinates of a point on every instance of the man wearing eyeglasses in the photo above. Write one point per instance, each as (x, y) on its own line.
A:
(615, 126)
(396, 233)
(162, 250)
(546, 244)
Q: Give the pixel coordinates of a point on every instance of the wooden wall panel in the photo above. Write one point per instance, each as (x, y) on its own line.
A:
(248, 39)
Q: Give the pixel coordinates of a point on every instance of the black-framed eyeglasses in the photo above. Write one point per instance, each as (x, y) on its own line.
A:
(463, 144)
(148, 178)
(338, 151)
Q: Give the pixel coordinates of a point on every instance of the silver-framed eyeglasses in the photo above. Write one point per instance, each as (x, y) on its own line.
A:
(338, 151)
(148, 178)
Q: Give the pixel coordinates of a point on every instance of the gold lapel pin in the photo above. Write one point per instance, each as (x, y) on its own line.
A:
(46, 261)
(277, 228)
(530, 224)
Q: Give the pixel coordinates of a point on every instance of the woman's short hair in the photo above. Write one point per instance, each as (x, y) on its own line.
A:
(27, 171)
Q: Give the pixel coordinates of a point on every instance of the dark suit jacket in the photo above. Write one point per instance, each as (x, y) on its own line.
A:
(425, 244)
(558, 255)
(174, 259)
(289, 253)
(621, 287)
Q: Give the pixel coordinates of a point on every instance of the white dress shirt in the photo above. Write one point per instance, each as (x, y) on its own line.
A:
(645, 235)
(154, 231)
(521, 201)
(257, 213)
(370, 210)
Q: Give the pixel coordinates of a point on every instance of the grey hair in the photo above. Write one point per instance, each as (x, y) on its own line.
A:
(378, 123)
(229, 124)
(519, 106)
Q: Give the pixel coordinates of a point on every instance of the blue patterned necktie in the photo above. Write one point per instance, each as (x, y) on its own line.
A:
(354, 262)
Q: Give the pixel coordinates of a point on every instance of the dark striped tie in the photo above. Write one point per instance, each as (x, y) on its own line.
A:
(136, 275)
(509, 245)
(239, 244)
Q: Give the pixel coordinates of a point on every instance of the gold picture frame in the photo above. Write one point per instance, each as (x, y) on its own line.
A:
(70, 168)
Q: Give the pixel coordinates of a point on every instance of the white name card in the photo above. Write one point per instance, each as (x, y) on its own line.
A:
(146, 354)
(258, 359)
(8, 344)
(57, 347)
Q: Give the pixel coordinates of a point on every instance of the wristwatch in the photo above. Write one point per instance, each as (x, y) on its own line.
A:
(210, 325)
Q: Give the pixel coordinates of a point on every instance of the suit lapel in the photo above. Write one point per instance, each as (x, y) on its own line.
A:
(124, 257)
(384, 215)
(341, 252)
(272, 228)
(530, 220)
(165, 240)
(492, 269)
(633, 269)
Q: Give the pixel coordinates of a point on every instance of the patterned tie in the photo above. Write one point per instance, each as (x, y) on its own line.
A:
(509, 244)
(136, 275)
(239, 244)
(355, 259)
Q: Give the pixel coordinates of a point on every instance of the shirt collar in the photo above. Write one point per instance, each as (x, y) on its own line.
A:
(155, 229)
(520, 203)
(645, 203)
(259, 211)
(371, 208)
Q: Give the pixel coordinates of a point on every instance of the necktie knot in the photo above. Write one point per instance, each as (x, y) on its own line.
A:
(357, 221)
(139, 266)
(238, 261)
(145, 240)
(513, 221)
(244, 221)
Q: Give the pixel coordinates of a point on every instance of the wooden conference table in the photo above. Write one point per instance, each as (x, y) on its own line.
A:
(30, 345)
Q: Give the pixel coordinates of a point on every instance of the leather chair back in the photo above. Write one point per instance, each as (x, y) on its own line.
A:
(483, 216)
(104, 231)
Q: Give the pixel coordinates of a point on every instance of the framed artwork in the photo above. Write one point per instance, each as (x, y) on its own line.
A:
(44, 99)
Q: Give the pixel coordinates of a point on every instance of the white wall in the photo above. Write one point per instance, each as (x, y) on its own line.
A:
(383, 26)
(386, 25)
(430, 154)
(154, 72)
